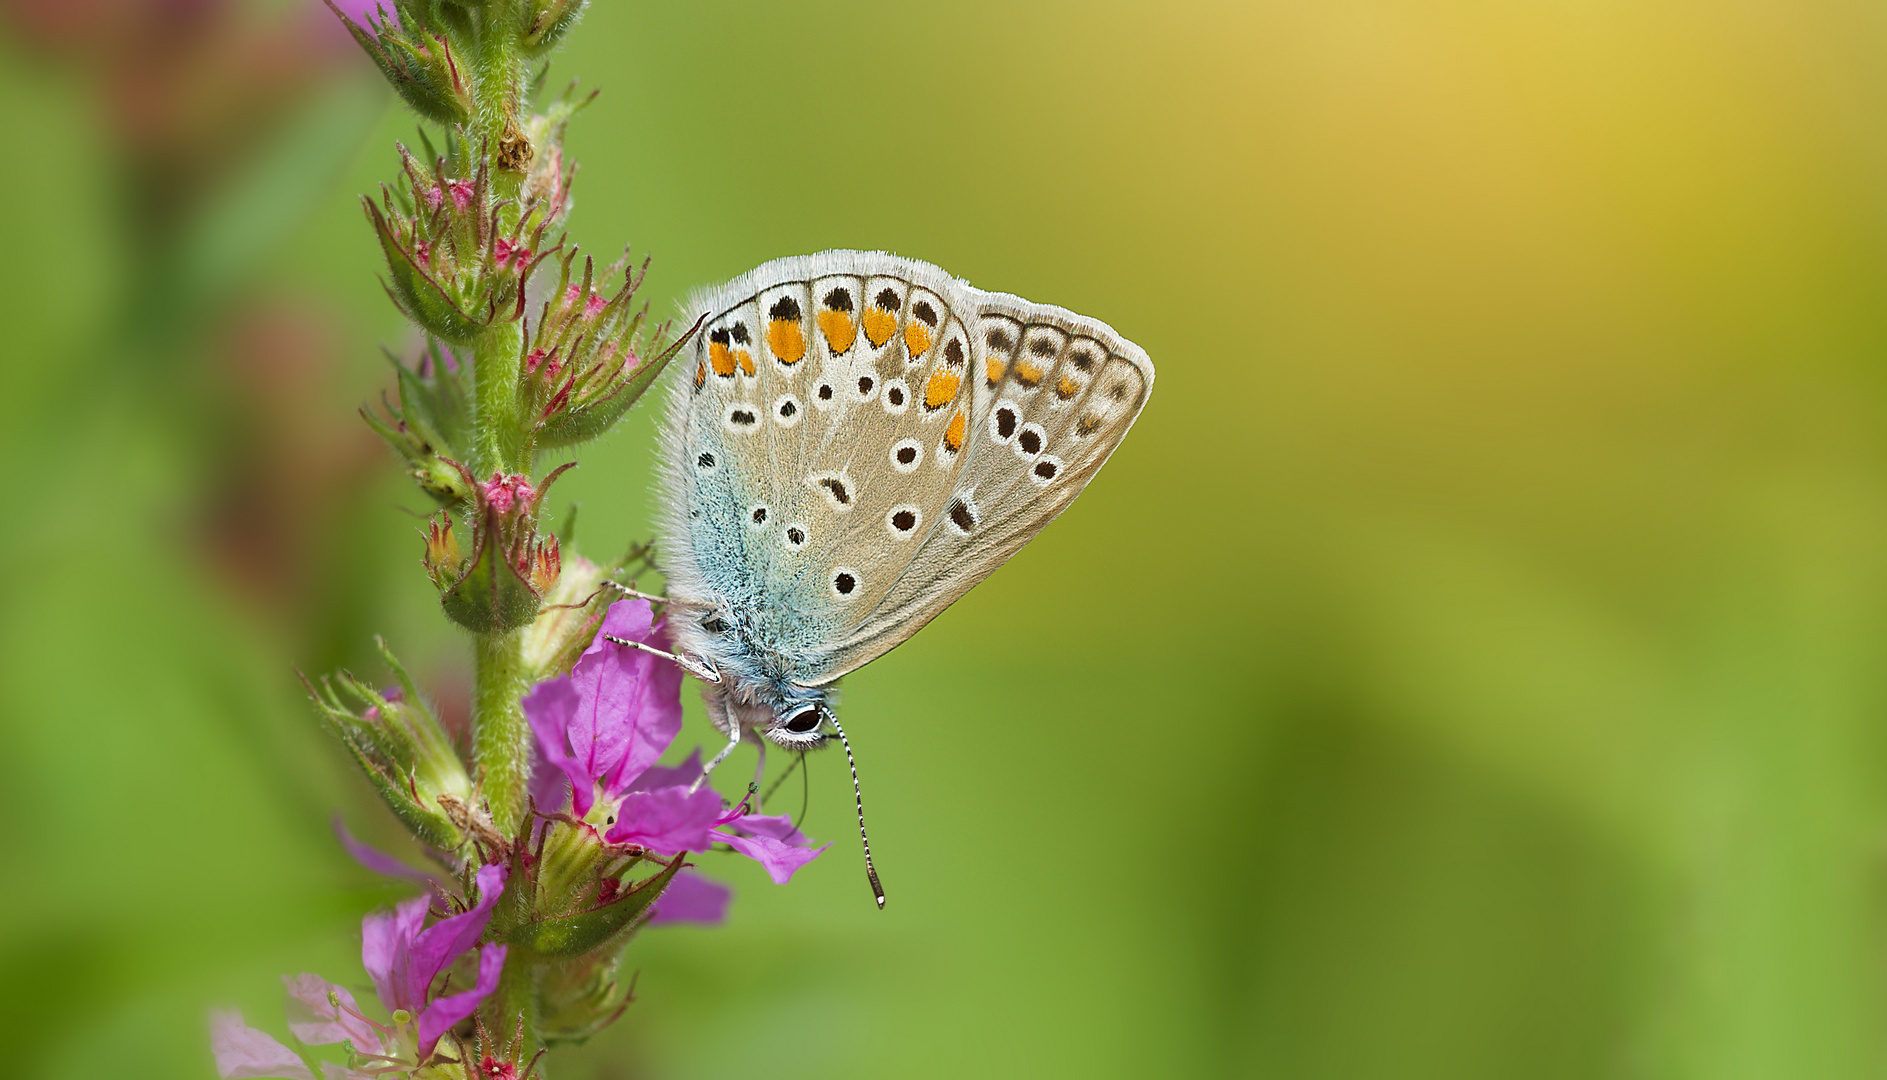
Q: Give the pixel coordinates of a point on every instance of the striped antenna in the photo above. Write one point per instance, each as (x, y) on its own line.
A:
(871, 872)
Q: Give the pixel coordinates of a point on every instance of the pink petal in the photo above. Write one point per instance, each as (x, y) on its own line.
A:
(780, 859)
(777, 826)
(447, 1011)
(660, 776)
(629, 701)
(386, 942)
(668, 820)
(440, 944)
(550, 788)
(244, 1052)
(318, 1023)
(551, 707)
(691, 898)
(376, 860)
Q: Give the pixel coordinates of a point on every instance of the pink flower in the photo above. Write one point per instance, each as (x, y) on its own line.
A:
(691, 898)
(321, 1012)
(504, 253)
(594, 306)
(608, 722)
(615, 714)
(461, 192)
(502, 491)
(404, 960)
(242, 1051)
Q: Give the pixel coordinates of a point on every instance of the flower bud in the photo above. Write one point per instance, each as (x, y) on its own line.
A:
(583, 365)
(431, 420)
(503, 583)
(444, 561)
(398, 742)
(546, 22)
(566, 626)
(441, 236)
(414, 52)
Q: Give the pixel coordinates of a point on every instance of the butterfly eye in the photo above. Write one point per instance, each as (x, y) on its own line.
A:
(714, 624)
(804, 722)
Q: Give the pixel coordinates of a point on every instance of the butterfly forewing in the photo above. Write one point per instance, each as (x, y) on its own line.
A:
(887, 437)
(1055, 396)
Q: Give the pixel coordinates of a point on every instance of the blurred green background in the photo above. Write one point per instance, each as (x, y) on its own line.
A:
(1471, 666)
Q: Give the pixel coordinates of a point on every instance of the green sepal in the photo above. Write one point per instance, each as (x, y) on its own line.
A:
(421, 70)
(580, 997)
(546, 22)
(581, 423)
(574, 935)
(414, 291)
(491, 597)
(438, 406)
(430, 826)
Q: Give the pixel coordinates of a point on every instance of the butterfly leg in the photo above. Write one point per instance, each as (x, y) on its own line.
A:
(693, 667)
(733, 740)
(627, 591)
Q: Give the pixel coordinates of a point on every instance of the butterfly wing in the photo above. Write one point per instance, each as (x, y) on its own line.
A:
(803, 472)
(1053, 393)
(863, 438)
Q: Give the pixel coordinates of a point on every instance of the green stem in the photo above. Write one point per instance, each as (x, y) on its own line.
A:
(515, 1000)
(501, 738)
(502, 443)
(497, 89)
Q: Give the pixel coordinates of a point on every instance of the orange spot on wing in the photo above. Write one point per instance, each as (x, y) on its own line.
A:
(745, 359)
(953, 435)
(722, 360)
(839, 329)
(941, 390)
(992, 371)
(787, 340)
(1066, 387)
(917, 338)
(879, 326)
(1028, 374)
(701, 374)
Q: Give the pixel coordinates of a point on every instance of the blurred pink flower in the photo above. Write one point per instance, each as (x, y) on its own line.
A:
(692, 898)
(243, 1052)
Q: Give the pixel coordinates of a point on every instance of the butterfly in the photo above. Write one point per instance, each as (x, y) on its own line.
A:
(853, 441)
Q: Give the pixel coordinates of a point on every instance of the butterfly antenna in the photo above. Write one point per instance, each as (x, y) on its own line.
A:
(858, 798)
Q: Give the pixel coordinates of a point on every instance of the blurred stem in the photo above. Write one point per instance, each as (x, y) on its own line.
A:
(501, 739)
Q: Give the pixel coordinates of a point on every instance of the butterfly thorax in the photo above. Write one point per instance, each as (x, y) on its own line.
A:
(751, 647)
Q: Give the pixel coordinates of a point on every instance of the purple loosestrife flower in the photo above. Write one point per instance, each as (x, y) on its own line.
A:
(691, 898)
(243, 1052)
(608, 722)
(612, 717)
(404, 960)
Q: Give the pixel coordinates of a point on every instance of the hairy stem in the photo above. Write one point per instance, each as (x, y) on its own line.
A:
(515, 1000)
(502, 443)
(497, 90)
(501, 738)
